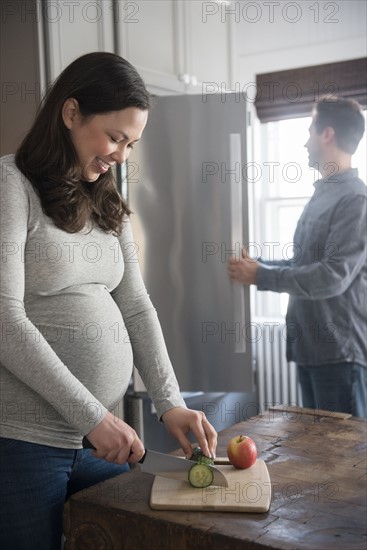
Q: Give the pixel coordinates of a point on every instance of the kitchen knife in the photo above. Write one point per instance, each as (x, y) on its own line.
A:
(161, 464)
(164, 465)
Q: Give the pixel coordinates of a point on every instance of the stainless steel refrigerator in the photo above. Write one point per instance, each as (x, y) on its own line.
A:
(187, 189)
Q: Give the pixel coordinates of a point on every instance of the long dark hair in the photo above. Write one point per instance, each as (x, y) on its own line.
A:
(101, 82)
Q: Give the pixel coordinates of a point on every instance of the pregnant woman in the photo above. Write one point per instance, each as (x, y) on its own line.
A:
(74, 310)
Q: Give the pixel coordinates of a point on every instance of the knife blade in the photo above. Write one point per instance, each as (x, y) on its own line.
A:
(174, 467)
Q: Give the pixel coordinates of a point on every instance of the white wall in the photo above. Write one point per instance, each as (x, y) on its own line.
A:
(281, 35)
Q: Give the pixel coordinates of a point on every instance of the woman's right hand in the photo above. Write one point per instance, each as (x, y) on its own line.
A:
(115, 441)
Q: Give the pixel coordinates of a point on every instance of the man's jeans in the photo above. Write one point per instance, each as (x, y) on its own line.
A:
(341, 387)
(35, 481)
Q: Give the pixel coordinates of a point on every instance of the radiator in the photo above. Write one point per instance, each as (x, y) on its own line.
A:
(276, 378)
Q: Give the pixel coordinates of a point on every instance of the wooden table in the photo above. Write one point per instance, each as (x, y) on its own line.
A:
(317, 466)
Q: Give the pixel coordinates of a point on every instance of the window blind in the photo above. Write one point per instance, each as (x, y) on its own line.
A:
(292, 93)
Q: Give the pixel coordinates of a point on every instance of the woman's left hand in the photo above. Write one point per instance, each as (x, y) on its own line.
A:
(180, 421)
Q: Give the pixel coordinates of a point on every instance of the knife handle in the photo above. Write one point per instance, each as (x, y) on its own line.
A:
(143, 457)
(88, 445)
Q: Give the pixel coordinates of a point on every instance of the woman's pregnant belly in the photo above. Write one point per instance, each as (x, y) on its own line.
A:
(86, 330)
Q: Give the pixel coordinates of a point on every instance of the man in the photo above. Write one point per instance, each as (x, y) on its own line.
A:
(326, 278)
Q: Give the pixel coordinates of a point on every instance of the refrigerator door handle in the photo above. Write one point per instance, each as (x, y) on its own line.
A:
(238, 291)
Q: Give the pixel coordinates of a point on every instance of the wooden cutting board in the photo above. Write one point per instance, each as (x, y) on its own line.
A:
(248, 491)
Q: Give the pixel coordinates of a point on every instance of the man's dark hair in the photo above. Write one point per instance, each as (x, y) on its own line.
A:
(345, 117)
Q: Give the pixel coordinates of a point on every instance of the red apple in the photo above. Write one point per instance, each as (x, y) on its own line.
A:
(242, 451)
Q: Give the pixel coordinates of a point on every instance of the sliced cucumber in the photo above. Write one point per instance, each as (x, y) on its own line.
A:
(200, 475)
(198, 456)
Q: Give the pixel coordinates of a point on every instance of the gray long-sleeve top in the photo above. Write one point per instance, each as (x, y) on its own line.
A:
(327, 276)
(75, 316)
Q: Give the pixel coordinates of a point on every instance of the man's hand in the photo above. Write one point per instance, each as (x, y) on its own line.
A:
(243, 270)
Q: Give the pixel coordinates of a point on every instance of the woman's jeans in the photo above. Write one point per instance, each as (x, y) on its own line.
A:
(341, 387)
(35, 481)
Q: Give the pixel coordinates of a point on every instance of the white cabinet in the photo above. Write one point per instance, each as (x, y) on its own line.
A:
(176, 45)
(207, 45)
(147, 34)
(74, 28)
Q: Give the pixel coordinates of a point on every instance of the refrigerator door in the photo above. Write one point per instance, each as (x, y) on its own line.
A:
(187, 189)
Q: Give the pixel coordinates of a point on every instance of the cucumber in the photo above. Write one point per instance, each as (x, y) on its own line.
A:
(198, 456)
(200, 475)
